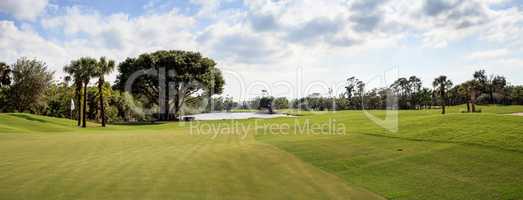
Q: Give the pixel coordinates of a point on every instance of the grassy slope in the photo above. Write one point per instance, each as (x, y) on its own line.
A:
(47, 158)
(456, 156)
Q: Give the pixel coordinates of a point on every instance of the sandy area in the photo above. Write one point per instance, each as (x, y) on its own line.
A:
(517, 114)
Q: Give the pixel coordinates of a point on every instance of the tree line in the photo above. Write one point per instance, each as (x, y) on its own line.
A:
(174, 82)
(408, 93)
(166, 82)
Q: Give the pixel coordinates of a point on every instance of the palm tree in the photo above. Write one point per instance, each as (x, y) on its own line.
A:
(87, 69)
(464, 91)
(74, 69)
(473, 88)
(441, 85)
(103, 68)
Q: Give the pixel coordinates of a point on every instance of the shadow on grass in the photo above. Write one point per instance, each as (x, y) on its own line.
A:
(27, 117)
(137, 123)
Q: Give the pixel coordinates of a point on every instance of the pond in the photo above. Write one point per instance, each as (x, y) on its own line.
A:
(233, 115)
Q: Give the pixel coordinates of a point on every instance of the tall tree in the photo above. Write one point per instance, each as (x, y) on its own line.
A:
(87, 71)
(31, 78)
(103, 67)
(474, 90)
(442, 85)
(180, 74)
(401, 89)
(74, 70)
(498, 86)
(415, 87)
(354, 88)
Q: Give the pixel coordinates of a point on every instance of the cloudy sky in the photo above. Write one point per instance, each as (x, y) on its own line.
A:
(291, 48)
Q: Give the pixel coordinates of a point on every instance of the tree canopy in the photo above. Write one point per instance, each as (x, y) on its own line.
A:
(31, 79)
(168, 78)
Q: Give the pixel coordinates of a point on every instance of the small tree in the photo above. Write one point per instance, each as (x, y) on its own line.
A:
(441, 86)
(470, 89)
(281, 103)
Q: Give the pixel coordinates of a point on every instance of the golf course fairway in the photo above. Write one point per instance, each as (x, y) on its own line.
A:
(456, 156)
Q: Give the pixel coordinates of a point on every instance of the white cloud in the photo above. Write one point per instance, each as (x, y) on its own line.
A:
(488, 54)
(15, 43)
(89, 33)
(23, 9)
(118, 35)
(359, 37)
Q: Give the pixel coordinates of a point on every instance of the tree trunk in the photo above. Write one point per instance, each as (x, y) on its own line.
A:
(443, 99)
(79, 103)
(100, 91)
(468, 106)
(209, 104)
(166, 103)
(491, 96)
(84, 107)
(473, 101)
(176, 104)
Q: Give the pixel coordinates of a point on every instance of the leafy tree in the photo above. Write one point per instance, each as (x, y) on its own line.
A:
(58, 98)
(471, 89)
(354, 88)
(123, 103)
(267, 104)
(31, 79)
(516, 95)
(407, 89)
(103, 67)
(425, 97)
(229, 104)
(186, 74)
(352, 82)
(281, 103)
(490, 84)
(441, 86)
(414, 88)
(5, 78)
(498, 85)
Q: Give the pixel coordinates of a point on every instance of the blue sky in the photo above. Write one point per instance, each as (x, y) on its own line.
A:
(291, 48)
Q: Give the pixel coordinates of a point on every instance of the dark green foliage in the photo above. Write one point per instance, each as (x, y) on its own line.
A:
(186, 73)
(5, 74)
(266, 103)
(31, 79)
(103, 67)
(441, 86)
(281, 103)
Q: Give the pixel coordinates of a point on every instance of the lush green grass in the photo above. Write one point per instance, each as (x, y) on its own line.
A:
(455, 156)
(432, 156)
(151, 162)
